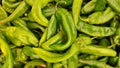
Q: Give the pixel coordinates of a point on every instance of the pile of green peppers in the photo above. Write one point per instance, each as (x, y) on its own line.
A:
(59, 34)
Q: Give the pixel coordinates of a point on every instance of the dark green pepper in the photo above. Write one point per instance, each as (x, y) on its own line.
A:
(100, 5)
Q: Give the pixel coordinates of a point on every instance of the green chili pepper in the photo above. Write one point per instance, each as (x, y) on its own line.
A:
(53, 40)
(64, 17)
(29, 52)
(89, 7)
(7, 53)
(30, 17)
(100, 5)
(20, 23)
(94, 49)
(94, 63)
(92, 30)
(76, 8)
(100, 17)
(51, 30)
(20, 36)
(55, 57)
(100, 51)
(48, 11)
(20, 10)
(114, 4)
(37, 12)
(43, 38)
(35, 63)
(9, 6)
(85, 39)
(34, 25)
(19, 55)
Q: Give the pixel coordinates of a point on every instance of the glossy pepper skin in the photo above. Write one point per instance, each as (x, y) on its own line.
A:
(93, 30)
(65, 19)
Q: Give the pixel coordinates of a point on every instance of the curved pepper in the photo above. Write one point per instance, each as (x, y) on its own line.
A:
(20, 10)
(55, 57)
(37, 12)
(64, 17)
(92, 30)
(4, 46)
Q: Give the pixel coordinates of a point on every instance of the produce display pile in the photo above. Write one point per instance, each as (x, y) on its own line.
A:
(60, 34)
